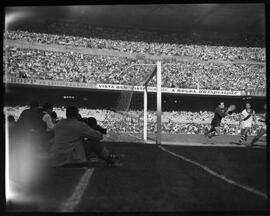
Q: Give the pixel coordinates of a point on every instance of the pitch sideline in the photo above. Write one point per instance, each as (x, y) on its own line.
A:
(220, 176)
(71, 203)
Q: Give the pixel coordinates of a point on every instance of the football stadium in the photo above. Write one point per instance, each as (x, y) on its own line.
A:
(135, 108)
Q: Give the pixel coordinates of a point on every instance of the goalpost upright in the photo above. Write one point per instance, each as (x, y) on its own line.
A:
(157, 72)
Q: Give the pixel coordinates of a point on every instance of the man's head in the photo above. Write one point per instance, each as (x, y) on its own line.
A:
(34, 104)
(248, 105)
(92, 122)
(11, 119)
(72, 112)
(48, 107)
(221, 105)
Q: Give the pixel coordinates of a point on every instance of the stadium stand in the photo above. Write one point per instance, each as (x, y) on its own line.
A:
(170, 46)
(75, 67)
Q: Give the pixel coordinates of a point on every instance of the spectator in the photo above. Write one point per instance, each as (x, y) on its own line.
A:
(11, 122)
(92, 122)
(47, 119)
(47, 111)
(30, 120)
(54, 117)
(68, 147)
(11, 130)
(29, 140)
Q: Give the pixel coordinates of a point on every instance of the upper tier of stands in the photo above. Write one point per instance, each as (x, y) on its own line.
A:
(201, 52)
(76, 67)
(176, 36)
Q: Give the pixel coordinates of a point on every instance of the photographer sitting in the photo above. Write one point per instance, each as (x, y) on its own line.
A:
(93, 146)
(68, 147)
(92, 122)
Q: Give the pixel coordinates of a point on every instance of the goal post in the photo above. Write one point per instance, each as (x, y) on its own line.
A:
(131, 109)
(156, 72)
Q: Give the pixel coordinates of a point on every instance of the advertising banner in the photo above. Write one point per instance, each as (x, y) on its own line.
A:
(118, 87)
(168, 90)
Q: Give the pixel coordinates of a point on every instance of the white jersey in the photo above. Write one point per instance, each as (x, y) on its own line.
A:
(248, 122)
(264, 125)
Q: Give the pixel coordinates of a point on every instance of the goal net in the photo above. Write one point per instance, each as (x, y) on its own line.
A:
(136, 115)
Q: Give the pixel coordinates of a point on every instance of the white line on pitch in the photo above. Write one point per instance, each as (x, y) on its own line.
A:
(205, 168)
(76, 196)
(207, 145)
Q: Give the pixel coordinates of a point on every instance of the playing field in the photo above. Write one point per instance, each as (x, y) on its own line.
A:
(184, 177)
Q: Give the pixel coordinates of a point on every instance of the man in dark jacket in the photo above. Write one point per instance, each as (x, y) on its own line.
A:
(25, 167)
(30, 120)
(92, 122)
(30, 125)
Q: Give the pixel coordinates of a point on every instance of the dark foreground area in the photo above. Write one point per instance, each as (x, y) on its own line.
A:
(152, 180)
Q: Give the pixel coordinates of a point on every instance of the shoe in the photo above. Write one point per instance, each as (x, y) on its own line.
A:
(117, 156)
(114, 164)
(111, 161)
(93, 159)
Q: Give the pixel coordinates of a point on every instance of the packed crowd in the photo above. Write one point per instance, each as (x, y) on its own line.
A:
(72, 67)
(77, 67)
(176, 122)
(137, 34)
(167, 46)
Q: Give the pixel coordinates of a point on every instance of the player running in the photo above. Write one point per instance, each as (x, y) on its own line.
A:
(262, 131)
(220, 112)
(247, 120)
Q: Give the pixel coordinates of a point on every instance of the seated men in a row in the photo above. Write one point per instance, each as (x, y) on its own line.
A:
(67, 136)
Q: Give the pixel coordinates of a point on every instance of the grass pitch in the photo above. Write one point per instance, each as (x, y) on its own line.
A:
(152, 180)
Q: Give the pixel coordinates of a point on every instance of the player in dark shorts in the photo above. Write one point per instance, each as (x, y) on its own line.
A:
(220, 112)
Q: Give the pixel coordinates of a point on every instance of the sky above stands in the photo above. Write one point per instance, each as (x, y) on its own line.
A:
(225, 18)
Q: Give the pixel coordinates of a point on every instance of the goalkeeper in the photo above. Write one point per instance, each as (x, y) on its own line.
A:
(220, 112)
